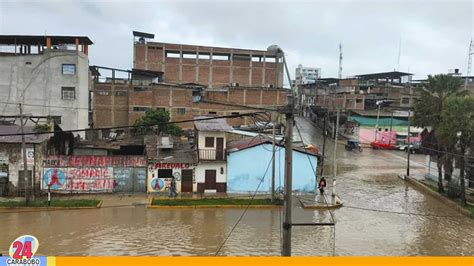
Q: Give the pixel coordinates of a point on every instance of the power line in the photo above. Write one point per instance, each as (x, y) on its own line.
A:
(324, 196)
(132, 126)
(245, 211)
(403, 213)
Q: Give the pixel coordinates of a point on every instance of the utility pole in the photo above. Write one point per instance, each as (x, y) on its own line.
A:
(273, 156)
(326, 116)
(408, 147)
(391, 126)
(339, 74)
(335, 156)
(378, 116)
(286, 247)
(287, 199)
(23, 148)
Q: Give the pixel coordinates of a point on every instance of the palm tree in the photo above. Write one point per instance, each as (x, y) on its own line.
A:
(429, 107)
(457, 129)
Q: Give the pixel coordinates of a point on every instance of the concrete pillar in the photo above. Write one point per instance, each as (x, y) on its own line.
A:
(250, 69)
(197, 65)
(180, 77)
(163, 59)
(146, 56)
(77, 44)
(211, 54)
(86, 48)
(48, 42)
(231, 69)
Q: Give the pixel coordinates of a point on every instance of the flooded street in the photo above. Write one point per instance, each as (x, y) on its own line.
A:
(382, 215)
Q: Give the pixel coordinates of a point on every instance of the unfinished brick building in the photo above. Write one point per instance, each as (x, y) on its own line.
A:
(173, 76)
(118, 104)
(209, 66)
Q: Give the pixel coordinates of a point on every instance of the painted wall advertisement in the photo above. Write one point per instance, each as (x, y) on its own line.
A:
(160, 175)
(82, 173)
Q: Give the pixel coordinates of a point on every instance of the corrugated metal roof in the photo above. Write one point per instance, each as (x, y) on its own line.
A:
(211, 125)
(246, 143)
(15, 129)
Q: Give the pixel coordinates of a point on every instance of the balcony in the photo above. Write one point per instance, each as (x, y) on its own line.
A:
(211, 155)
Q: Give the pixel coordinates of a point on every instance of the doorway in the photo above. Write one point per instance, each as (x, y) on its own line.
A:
(210, 179)
(187, 180)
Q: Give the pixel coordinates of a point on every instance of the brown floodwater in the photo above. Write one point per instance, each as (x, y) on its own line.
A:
(382, 215)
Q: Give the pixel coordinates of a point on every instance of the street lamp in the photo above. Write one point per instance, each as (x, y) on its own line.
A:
(277, 50)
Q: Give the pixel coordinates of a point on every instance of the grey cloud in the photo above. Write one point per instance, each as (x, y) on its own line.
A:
(435, 34)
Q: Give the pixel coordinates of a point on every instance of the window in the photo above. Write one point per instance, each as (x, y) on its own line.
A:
(181, 111)
(220, 57)
(235, 113)
(212, 113)
(140, 108)
(165, 173)
(103, 93)
(189, 56)
(273, 60)
(69, 69)
(209, 142)
(140, 88)
(358, 100)
(120, 93)
(405, 100)
(204, 56)
(68, 93)
(160, 109)
(173, 54)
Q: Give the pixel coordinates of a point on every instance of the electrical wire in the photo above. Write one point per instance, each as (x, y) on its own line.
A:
(245, 210)
(324, 196)
(132, 126)
(403, 213)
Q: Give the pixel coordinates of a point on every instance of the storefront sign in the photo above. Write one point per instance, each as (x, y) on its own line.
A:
(172, 165)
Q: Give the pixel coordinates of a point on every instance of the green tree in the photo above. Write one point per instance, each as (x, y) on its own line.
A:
(457, 129)
(429, 107)
(155, 122)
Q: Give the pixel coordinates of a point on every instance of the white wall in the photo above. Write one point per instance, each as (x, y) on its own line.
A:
(36, 80)
(200, 172)
(202, 138)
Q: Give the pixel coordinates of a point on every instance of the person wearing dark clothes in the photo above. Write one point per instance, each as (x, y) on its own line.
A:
(322, 184)
(173, 193)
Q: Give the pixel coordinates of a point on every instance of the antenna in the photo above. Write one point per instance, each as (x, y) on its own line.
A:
(399, 52)
(340, 61)
(469, 63)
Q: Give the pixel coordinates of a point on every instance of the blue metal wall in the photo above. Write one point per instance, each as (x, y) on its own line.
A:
(245, 169)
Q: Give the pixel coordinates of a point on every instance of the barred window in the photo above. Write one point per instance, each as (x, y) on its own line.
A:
(181, 111)
(68, 93)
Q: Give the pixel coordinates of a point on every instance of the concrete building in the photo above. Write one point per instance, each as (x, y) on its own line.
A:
(210, 66)
(48, 75)
(363, 91)
(306, 75)
(245, 172)
(12, 180)
(211, 169)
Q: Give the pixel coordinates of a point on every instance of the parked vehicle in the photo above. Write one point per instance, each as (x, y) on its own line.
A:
(379, 145)
(353, 145)
(414, 147)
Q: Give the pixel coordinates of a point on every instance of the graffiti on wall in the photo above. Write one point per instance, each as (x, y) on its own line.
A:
(90, 173)
(79, 179)
(94, 161)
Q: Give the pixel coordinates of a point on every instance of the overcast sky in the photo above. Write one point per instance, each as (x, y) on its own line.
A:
(434, 35)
